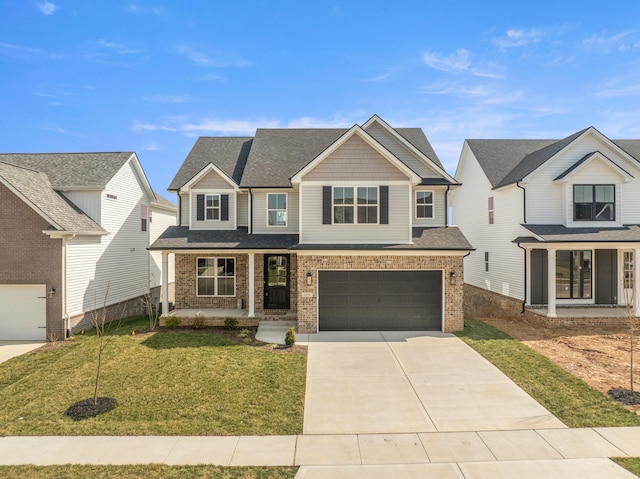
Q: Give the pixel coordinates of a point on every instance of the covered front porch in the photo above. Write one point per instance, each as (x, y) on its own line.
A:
(217, 316)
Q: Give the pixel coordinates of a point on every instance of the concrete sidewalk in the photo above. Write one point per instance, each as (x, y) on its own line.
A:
(544, 453)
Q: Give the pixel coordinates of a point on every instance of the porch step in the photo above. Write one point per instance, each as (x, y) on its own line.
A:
(273, 332)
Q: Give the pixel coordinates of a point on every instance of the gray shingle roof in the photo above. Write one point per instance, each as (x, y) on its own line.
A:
(181, 237)
(562, 234)
(227, 153)
(274, 155)
(162, 201)
(69, 170)
(62, 214)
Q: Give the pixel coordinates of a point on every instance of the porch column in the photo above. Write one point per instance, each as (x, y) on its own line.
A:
(636, 282)
(165, 283)
(551, 283)
(252, 286)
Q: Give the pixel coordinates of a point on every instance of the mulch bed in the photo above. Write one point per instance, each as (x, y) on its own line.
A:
(625, 396)
(87, 408)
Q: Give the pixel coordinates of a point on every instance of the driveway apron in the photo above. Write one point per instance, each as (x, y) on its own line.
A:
(404, 382)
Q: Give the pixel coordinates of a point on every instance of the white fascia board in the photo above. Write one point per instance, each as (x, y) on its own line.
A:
(401, 139)
(203, 172)
(356, 130)
(146, 186)
(71, 234)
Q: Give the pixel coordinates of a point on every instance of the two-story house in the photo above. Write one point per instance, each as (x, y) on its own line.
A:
(341, 229)
(554, 224)
(74, 233)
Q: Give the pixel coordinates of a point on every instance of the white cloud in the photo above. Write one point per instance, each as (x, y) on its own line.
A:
(207, 60)
(141, 127)
(118, 48)
(47, 8)
(212, 77)
(632, 90)
(151, 148)
(21, 48)
(228, 126)
(458, 61)
(514, 38)
(606, 43)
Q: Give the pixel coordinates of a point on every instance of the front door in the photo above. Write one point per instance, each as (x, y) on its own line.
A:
(276, 281)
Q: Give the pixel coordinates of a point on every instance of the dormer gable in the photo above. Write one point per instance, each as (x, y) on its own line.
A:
(593, 158)
(210, 178)
(356, 132)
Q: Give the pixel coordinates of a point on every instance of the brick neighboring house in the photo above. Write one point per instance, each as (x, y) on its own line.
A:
(72, 226)
(341, 229)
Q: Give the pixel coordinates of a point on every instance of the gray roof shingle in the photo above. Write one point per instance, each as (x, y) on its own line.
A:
(71, 170)
(562, 234)
(62, 214)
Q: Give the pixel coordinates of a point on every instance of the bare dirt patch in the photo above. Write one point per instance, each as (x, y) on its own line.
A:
(597, 355)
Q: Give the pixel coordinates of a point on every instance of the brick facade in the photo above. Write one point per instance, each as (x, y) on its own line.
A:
(482, 303)
(308, 295)
(29, 256)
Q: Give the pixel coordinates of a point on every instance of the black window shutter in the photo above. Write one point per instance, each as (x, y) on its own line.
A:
(326, 205)
(384, 205)
(224, 207)
(200, 207)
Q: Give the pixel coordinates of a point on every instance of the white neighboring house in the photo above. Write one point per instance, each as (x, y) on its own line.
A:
(554, 224)
(74, 231)
(163, 214)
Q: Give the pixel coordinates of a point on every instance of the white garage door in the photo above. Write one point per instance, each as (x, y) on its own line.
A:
(23, 312)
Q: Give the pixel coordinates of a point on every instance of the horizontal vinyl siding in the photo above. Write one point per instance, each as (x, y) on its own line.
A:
(161, 220)
(313, 231)
(630, 202)
(260, 213)
(470, 213)
(184, 209)
(211, 181)
(439, 213)
(89, 201)
(355, 160)
(243, 209)
(211, 224)
(118, 262)
(402, 152)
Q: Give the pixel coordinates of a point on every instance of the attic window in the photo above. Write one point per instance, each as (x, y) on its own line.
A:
(111, 197)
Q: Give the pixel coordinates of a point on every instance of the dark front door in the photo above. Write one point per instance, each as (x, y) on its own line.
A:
(607, 274)
(276, 281)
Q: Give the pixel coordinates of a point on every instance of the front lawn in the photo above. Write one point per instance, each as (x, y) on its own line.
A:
(146, 471)
(165, 383)
(567, 397)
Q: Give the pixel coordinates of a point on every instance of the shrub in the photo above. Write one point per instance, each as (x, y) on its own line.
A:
(172, 322)
(290, 337)
(230, 323)
(198, 321)
(243, 334)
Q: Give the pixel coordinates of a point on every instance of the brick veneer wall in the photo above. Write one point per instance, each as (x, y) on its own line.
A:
(307, 305)
(185, 283)
(30, 257)
(482, 303)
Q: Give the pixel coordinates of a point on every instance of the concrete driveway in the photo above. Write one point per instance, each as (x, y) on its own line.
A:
(402, 382)
(10, 349)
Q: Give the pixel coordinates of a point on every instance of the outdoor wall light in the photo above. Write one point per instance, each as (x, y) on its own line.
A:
(452, 277)
(308, 278)
(51, 291)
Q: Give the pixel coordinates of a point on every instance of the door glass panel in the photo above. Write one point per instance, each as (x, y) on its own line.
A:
(563, 274)
(573, 274)
(277, 271)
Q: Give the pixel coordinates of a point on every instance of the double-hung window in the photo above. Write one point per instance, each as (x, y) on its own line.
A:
(348, 209)
(277, 209)
(216, 277)
(212, 207)
(424, 204)
(594, 203)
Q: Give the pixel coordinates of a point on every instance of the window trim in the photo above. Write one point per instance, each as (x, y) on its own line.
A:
(593, 201)
(355, 204)
(432, 204)
(213, 208)
(286, 210)
(216, 277)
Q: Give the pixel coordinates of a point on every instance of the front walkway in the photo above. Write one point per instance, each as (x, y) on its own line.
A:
(404, 382)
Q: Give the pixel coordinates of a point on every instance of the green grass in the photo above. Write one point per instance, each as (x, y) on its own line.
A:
(176, 383)
(147, 471)
(569, 398)
(632, 464)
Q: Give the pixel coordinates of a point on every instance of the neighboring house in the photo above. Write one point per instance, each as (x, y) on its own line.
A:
(74, 233)
(162, 214)
(341, 229)
(554, 223)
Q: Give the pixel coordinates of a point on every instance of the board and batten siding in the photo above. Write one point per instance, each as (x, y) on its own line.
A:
(470, 213)
(243, 209)
(357, 161)
(115, 265)
(402, 152)
(213, 224)
(439, 213)
(314, 232)
(162, 219)
(260, 213)
(89, 201)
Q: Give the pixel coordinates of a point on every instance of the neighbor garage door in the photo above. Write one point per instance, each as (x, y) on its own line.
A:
(23, 312)
(379, 300)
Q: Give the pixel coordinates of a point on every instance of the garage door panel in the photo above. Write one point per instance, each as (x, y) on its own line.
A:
(23, 312)
(380, 300)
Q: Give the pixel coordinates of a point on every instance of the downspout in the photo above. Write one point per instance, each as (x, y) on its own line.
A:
(524, 217)
(446, 207)
(250, 211)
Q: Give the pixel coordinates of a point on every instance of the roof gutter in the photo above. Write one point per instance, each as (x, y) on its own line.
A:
(524, 201)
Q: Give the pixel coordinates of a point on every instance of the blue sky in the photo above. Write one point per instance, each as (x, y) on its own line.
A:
(80, 75)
